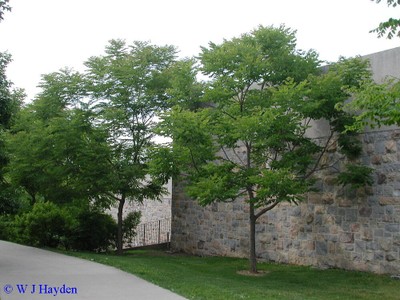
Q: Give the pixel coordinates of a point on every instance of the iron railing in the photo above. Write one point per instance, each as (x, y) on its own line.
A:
(152, 233)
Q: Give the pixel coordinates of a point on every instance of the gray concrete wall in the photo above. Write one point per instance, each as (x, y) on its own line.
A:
(335, 227)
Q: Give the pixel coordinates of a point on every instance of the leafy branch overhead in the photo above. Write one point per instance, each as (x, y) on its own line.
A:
(391, 27)
(4, 6)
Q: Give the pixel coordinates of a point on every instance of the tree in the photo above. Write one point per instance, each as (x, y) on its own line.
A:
(390, 28)
(248, 138)
(128, 87)
(90, 136)
(55, 150)
(10, 102)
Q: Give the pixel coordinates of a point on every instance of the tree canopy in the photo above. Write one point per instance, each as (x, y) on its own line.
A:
(89, 136)
(248, 137)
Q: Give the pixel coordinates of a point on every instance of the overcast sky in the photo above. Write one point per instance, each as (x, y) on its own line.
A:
(46, 35)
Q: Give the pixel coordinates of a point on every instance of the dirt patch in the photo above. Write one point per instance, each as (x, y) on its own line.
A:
(248, 273)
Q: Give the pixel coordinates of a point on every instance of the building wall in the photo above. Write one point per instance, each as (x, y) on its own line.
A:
(336, 227)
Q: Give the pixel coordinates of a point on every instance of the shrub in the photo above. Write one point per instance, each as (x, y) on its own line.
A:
(94, 231)
(46, 225)
(129, 224)
(7, 228)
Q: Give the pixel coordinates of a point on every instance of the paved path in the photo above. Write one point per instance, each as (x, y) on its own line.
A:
(48, 275)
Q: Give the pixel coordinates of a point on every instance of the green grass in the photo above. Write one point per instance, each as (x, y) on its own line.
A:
(216, 278)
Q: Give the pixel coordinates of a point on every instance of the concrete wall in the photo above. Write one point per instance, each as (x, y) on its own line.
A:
(336, 227)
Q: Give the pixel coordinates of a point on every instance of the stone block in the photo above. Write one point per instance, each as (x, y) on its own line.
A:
(379, 256)
(359, 246)
(381, 178)
(344, 202)
(346, 237)
(389, 158)
(376, 159)
(385, 244)
(355, 227)
(318, 220)
(395, 135)
(351, 215)
(380, 147)
(391, 146)
(328, 198)
(349, 247)
(367, 234)
(393, 228)
(321, 248)
(370, 149)
(295, 211)
(396, 239)
(314, 198)
(384, 200)
(365, 211)
(391, 257)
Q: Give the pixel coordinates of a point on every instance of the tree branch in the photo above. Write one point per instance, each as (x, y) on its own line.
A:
(320, 156)
(264, 210)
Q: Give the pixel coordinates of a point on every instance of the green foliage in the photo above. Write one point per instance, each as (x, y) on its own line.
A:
(355, 175)
(184, 89)
(7, 228)
(46, 225)
(93, 231)
(11, 199)
(376, 104)
(390, 28)
(10, 99)
(4, 6)
(129, 225)
(249, 137)
(71, 227)
(88, 137)
(61, 158)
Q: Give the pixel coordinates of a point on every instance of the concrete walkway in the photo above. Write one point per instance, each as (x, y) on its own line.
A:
(31, 273)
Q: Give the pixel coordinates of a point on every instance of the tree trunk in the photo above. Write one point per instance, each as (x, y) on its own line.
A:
(252, 257)
(120, 218)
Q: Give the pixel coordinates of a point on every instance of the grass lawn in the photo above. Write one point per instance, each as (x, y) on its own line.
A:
(217, 278)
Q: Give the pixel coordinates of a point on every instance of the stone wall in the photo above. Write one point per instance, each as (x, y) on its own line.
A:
(152, 210)
(336, 227)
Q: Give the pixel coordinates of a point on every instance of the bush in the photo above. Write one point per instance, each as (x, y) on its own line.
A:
(71, 227)
(129, 224)
(46, 225)
(95, 231)
(7, 228)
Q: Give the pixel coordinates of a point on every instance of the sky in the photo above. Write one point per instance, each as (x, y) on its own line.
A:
(44, 36)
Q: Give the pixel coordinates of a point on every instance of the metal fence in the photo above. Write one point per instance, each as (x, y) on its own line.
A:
(152, 233)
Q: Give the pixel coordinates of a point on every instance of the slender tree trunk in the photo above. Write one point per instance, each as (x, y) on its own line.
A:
(253, 257)
(120, 233)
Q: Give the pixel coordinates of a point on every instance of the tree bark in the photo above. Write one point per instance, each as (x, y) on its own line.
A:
(120, 218)
(253, 257)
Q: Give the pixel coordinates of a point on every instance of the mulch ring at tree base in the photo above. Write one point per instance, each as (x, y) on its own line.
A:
(249, 273)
